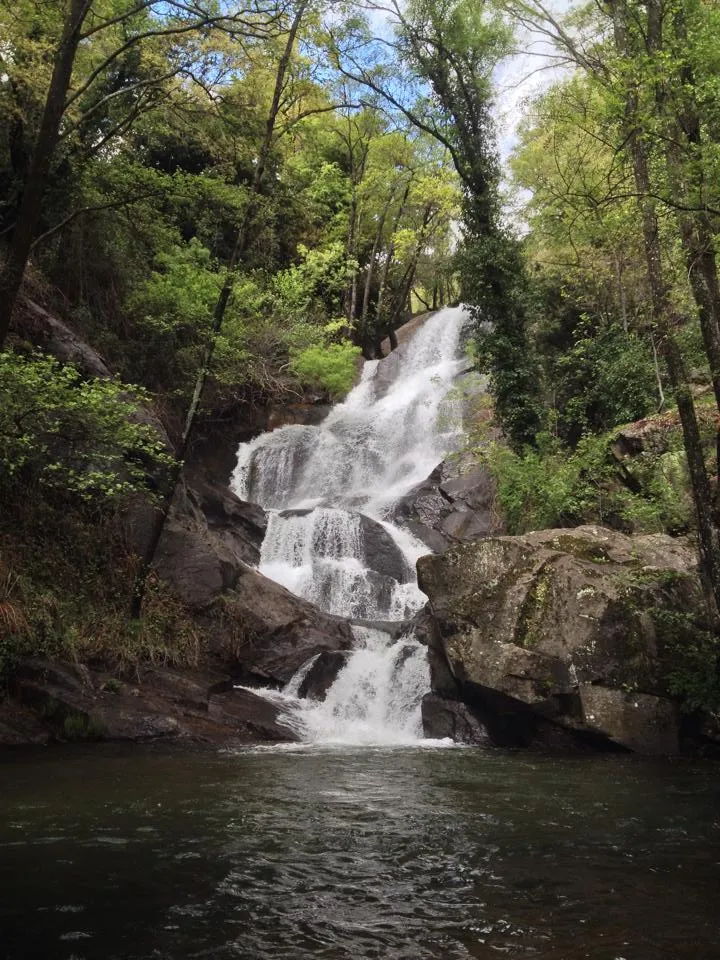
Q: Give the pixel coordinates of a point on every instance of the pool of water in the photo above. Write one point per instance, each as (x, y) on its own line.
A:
(400, 854)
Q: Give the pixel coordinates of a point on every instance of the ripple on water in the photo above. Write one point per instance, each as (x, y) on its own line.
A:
(393, 854)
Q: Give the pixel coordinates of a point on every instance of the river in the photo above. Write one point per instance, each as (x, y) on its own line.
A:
(353, 853)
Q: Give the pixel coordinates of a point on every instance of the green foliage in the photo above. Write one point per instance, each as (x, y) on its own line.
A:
(694, 669)
(552, 486)
(332, 367)
(493, 281)
(179, 294)
(74, 436)
(603, 379)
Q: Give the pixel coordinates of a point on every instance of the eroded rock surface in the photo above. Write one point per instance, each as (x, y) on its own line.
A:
(580, 628)
(56, 701)
(452, 506)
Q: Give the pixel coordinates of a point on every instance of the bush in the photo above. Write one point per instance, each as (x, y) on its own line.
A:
(67, 434)
(332, 367)
(554, 486)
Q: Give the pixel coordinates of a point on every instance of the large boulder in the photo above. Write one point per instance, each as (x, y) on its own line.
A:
(579, 628)
(265, 634)
(448, 719)
(322, 674)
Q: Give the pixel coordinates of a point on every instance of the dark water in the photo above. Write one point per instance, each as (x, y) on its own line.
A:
(396, 854)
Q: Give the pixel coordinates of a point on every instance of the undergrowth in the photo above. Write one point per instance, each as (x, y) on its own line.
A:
(66, 579)
(555, 486)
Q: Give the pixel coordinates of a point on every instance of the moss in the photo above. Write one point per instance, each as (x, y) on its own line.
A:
(81, 726)
(582, 548)
(527, 632)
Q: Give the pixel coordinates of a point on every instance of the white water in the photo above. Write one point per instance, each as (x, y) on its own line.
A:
(331, 489)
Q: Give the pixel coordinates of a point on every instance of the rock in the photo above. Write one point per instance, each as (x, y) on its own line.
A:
(20, 726)
(249, 714)
(381, 552)
(377, 549)
(563, 625)
(651, 436)
(322, 674)
(642, 723)
(306, 413)
(241, 525)
(265, 633)
(450, 506)
(58, 701)
(394, 628)
(451, 719)
(53, 336)
(426, 631)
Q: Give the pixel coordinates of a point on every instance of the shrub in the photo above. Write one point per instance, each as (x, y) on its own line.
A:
(67, 434)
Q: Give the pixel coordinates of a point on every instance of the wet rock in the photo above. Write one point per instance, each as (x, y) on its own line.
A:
(377, 549)
(250, 715)
(564, 624)
(265, 633)
(427, 632)
(306, 413)
(51, 701)
(381, 552)
(450, 507)
(452, 719)
(20, 726)
(323, 673)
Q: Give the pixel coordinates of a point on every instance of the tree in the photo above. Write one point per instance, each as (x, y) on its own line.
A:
(627, 62)
(131, 24)
(241, 242)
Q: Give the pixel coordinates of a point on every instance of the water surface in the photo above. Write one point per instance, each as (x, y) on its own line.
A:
(402, 854)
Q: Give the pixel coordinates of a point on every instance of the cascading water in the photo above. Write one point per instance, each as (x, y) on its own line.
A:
(330, 538)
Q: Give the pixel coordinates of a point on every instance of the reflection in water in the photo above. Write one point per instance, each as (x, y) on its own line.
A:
(397, 854)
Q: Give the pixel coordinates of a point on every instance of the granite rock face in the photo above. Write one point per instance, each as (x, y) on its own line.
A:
(451, 506)
(576, 628)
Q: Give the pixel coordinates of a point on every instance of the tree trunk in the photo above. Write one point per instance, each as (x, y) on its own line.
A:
(30, 204)
(696, 230)
(379, 306)
(238, 252)
(371, 270)
(403, 298)
(709, 535)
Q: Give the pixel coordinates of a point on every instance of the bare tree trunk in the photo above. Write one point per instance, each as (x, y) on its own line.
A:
(403, 298)
(238, 252)
(621, 291)
(379, 307)
(29, 211)
(351, 292)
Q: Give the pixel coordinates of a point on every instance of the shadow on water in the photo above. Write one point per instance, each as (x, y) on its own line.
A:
(373, 853)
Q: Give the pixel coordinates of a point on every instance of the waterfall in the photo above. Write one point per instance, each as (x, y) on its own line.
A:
(330, 489)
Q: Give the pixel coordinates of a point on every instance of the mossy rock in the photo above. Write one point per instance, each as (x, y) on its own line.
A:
(536, 618)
